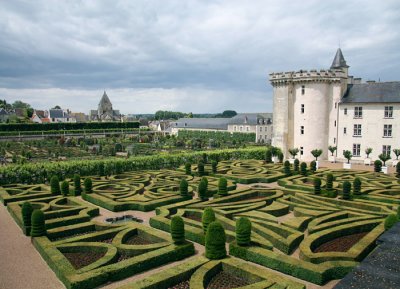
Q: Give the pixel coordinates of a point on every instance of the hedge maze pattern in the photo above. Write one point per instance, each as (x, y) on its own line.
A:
(308, 236)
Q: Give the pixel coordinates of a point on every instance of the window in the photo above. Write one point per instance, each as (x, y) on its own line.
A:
(386, 149)
(357, 130)
(356, 150)
(303, 89)
(302, 108)
(302, 129)
(241, 128)
(345, 111)
(301, 151)
(335, 104)
(358, 112)
(387, 130)
(234, 128)
(344, 130)
(388, 111)
(247, 128)
(334, 140)
(335, 123)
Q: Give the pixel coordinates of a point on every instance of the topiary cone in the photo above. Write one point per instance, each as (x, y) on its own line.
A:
(38, 228)
(55, 185)
(215, 241)
(26, 212)
(177, 230)
(243, 231)
(207, 218)
(222, 187)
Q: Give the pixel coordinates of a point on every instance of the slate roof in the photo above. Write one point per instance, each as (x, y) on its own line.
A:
(378, 92)
(251, 118)
(58, 113)
(338, 61)
(202, 123)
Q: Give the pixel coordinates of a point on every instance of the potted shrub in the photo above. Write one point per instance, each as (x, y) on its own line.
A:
(316, 154)
(384, 158)
(367, 160)
(347, 154)
(377, 166)
(293, 152)
(397, 153)
(332, 158)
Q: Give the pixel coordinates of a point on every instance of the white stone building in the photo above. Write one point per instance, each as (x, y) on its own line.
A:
(317, 109)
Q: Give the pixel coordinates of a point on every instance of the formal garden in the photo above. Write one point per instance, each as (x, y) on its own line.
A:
(259, 224)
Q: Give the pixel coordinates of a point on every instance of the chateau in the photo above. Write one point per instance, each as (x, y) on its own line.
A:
(316, 109)
(105, 111)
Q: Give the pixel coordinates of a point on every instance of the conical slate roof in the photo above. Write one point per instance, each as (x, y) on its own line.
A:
(104, 99)
(338, 61)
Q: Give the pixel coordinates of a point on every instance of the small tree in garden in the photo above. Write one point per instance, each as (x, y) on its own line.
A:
(55, 185)
(316, 153)
(100, 169)
(222, 187)
(26, 212)
(296, 165)
(303, 169)
(286, 168)
(200, 169)
(368, 151)
(77, 185)
(184, 188)
(118, 167)
(214, 165)
(390, 221)
(347, 155)
(207, 218)
(332, 149)
(397, 153)
(317, 186)
(346, 190)
(280, 156)
(188, 168)
(177, 230)
(215, 241)
(294, 152)
(313, 166)
(87, 183)
(268, 156)
(329, 181)
(204, 156)
(357, 186)
(384, 158)
(202, 190)
(65, 188)
(398, 170)
(243, 231)
(377, 166)
(38, 227)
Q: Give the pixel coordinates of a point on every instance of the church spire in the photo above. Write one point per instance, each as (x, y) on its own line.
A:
(339, 61)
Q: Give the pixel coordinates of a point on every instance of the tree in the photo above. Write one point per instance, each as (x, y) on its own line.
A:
(77, 185)
(346, 190)
(268, 156)
(294, 152)
(296, 165)
(357, 186)
(368, 151)
(316, 153)
(202, 190)
(243, 231)
(183, 188)
(222, 187)
(26, 212)
(313, 166)
(177, 230)
(329, 181)
(397, 153)
(200, 168)
(384, 158)
(214, 165)
(377, 166)
(65, 188)
(55, 185)
(215, 242)
(207, 218)
(286, 168)
(188, 168)
(303, 169)
(229, 113)
(398, 169)
(317, 186)
(332, 149)
(347, 154)
(87, 183)
(38, 227)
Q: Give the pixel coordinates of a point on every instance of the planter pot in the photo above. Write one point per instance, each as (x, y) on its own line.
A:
(291, 161)
(394, 163)
(346, 166)
(385, 170)
(367, 162)
(275, 160)
(332, 159)
(317, 165)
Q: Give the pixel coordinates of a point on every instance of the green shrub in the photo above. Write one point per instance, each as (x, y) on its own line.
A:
(357, 186)
(38, 228)
(316, 153)
(313, 166)
(268, 156)
(200, 169)
(207, 218)
(222, 187)
(377, 166)
(243, 231)
(398, 170)
(100, 169)
(296, 165)
(390, 221)
(280, 156)
(177, 230)
(55, 185)
(87, 183)
(214, 165)
(188, 168)
(329, 181)
(77, 185)
(183, 187)
(215, 241)
(346, 190)
(398, 212)
(303, 169)
(317, 186)
(202, 190)
(65, 188)
(286, 168)
(26, 212)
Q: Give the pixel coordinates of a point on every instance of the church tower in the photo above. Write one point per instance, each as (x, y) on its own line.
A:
(105, 105)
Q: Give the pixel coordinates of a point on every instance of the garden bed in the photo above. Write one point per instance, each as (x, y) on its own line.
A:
(224, 280)
(81, 259)
(341, 244)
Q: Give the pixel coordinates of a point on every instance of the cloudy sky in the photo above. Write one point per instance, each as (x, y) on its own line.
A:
(198, 56)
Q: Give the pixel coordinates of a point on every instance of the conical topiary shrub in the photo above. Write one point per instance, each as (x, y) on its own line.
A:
(215, 241)
(202, 190)
(200, 169)
(317, 186)
(26, 212)
(346, 190)
(268, 156)
(296, 166)
(207, 218)
(313, 166)
(214, 165)
(243, 231)
(55, 185)
(357, 186)
(177, 230)
(222, 187)
(329, 181)
(77, 185)
(303, 169)
(183, 188)
(377, 166)
(87, 183)
(38, 227)
(65, 188)
(188, 168)
(286, 168)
